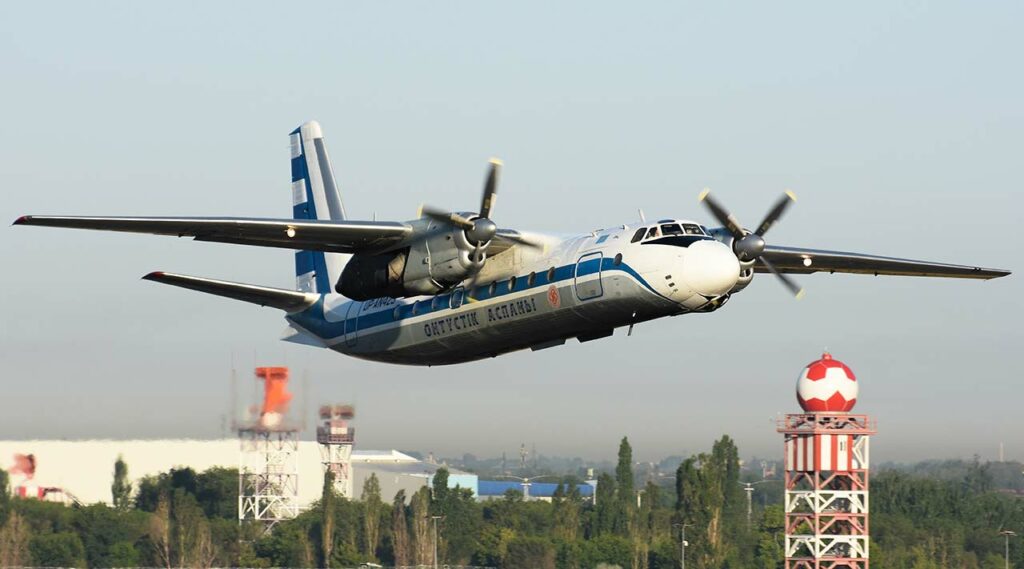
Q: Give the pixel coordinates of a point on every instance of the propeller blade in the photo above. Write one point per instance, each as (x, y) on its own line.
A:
(776, 212)
(446, 217)
(721, 214)
(490, 188)
(786, 281)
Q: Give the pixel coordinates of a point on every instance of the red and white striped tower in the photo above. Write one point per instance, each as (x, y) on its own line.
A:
(826, 471)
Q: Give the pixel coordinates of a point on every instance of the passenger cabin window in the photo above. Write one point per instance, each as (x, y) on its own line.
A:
(671, 229)
(639, 234)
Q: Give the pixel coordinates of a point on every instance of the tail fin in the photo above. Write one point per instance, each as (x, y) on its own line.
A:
(315, 196)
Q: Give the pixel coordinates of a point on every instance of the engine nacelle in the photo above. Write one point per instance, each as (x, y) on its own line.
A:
(746, 267)
(437, 262)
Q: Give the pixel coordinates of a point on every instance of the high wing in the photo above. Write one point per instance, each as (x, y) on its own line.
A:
(804, 261)
(314, 235)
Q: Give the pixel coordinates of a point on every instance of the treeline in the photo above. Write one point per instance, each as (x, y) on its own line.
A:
(186, 519)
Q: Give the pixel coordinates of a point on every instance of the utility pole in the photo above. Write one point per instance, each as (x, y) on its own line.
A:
(682, 544)
(1007, 534)
(435, 518)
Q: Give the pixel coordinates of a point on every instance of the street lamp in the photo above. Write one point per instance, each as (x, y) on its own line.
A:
(749, 488)
(1007, 534)
(683, 544)
(435, 518)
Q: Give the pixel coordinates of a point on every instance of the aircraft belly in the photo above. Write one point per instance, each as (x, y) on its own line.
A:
(508, 323)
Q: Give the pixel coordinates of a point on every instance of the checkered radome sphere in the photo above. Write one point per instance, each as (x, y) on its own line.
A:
(826, 385)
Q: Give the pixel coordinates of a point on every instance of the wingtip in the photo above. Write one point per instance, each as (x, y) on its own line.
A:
(23, 220)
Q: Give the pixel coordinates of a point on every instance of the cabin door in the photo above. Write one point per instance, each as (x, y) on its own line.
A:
(587, 278)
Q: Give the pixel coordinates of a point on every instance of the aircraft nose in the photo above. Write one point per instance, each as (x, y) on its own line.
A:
(711, 268)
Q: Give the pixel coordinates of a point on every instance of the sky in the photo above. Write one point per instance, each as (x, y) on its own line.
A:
(898, 125)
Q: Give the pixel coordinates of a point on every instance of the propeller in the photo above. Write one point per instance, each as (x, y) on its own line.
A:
(480, 230)
(749, 245)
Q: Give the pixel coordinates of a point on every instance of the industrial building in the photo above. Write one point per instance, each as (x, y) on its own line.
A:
(85, 469)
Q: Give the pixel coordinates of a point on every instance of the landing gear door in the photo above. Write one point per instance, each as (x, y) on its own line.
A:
(587, 278)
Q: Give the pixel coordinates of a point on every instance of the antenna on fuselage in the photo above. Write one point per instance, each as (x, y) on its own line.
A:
(643, 218)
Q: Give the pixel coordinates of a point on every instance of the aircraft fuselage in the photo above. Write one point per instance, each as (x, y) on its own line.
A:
(582, 287)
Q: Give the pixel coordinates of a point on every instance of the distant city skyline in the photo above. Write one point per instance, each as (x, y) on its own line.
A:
(897, 125)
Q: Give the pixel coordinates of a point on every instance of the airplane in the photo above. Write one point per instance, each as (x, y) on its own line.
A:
(453, 287)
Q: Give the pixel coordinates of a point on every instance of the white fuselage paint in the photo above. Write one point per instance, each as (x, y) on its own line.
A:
(581, 287)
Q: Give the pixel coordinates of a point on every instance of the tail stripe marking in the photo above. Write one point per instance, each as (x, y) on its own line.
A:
(310, 266)
(298, 193)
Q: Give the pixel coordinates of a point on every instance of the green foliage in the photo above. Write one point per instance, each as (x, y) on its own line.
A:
(625, 491)
(110, 536)
(607, 549)
(121, 489)
(527, 551)
(5, 496)
(372, 517)
(185, 518)
(216, 490)
(62, 549)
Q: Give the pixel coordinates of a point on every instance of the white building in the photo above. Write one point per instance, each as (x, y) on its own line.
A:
(85, 469)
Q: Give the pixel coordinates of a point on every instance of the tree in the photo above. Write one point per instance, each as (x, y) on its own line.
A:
(605, 506)
(440, 490)
(62, 549)
(14, 540)
(159, 531)
(190, 532)
(530, 552)
(121, 489)
(624, 490)
(422, 538)
(373, 508)
(399, 530)
(109, 535)
(327, 500)
(5, 496)
(216, 490)
(566, 511)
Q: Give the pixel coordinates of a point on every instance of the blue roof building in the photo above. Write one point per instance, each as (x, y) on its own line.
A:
(496, 489)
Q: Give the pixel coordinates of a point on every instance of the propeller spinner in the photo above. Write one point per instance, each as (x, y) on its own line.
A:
(749, 245)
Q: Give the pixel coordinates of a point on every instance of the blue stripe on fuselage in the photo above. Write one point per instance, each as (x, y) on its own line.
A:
(313, 320)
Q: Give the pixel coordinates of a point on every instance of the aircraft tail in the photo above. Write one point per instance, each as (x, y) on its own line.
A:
(315, 196)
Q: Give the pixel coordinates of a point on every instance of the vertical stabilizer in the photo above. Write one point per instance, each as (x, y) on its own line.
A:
(315, 195)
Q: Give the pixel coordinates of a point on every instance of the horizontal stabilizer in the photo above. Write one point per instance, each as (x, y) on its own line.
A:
(287, 300)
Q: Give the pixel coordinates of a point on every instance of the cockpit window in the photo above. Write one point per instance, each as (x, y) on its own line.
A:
(671, 229)
(639, 234)
(653, 232)
(692, 229)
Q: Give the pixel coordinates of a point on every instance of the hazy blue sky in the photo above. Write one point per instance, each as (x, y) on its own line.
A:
(898, 124)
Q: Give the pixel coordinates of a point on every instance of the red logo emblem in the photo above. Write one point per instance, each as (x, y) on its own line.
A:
(553, 298)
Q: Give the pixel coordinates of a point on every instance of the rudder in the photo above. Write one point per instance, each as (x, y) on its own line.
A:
(315, 195)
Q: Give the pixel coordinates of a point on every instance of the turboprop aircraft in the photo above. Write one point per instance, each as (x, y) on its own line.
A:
(453, 287)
